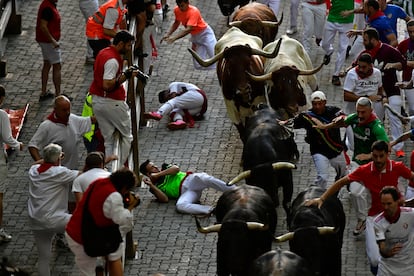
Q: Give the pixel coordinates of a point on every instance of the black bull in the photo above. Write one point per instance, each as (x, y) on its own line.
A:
(227, 6)
(323, 252)
(267, 142)
(246, 223)
(283, 263)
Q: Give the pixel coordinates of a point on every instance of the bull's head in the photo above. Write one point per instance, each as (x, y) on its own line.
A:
(276, 166)
(265, 29)
(237, 88)
(253, 226)
(286, 92)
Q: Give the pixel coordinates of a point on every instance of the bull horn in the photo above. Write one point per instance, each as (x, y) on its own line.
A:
(266, 54)
(240, 177)
(208, 62)
(326, 230)
(273, 23)
(208, 229)
(235, 24)
(284, 237)
(257, 226)
(283, 166)
(260, 78)
(313, 71)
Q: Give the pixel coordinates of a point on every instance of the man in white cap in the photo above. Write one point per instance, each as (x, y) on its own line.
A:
(326, 147)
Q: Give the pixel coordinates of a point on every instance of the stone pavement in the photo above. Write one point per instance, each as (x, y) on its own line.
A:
(168, 242)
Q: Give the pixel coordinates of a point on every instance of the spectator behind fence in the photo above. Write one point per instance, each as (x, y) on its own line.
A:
(106, 205)
(49, 187)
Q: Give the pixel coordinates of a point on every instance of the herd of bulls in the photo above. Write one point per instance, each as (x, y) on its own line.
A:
(265, 80)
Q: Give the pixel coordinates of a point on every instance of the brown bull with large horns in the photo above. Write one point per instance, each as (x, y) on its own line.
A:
(257, 19)
(238, 54)
(290, 76)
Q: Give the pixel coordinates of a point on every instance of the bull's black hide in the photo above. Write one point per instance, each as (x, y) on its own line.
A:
(323, 252)
(237, 246)
(227, 6)
(267, 142)
(283, 263)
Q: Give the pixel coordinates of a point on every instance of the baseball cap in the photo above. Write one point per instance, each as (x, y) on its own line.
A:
(318, 96)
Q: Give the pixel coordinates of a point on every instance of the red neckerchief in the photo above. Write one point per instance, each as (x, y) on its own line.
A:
(44, 167)
(370, 119)
(375, 16)
(363, 75)
(394, 218)
(373, 52)
(52, 117)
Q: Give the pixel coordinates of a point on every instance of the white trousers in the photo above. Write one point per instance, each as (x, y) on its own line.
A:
(359, 195)
(191, 100)
(43, 239)
(294, 11)
(86, 264)
(88, 8)
(396, 127)
(371, 245)
(192, 189)
(313, 18)
(409, 95)
(322, 164)
(274, 5)
(203, 44)
(113, 115)
(328, 38)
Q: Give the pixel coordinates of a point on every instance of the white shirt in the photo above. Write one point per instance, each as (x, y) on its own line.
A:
(361, 87)
(402, 263)
(5, 131)
(65, 136)
(82, 182)
(113, 208)
(178, 87)
(48, 196)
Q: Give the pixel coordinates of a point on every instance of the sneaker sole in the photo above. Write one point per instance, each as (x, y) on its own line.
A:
(149, 116)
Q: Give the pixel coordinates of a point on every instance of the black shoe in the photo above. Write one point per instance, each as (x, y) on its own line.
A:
(403, 113)
(165, 10)
(327, 59)
(139, 53)
(348, 49)
(47, 95)
(336, 81)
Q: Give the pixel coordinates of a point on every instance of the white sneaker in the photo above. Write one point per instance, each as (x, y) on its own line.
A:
(4, 237)
(291, 31)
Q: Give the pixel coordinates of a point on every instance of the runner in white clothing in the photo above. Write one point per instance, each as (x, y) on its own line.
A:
(364, 80)
(394, 231)
(93, 170)
(184, 102)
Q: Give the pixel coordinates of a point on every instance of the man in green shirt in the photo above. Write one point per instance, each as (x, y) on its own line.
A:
(367, 129)
(336, 23)
(186, 187)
